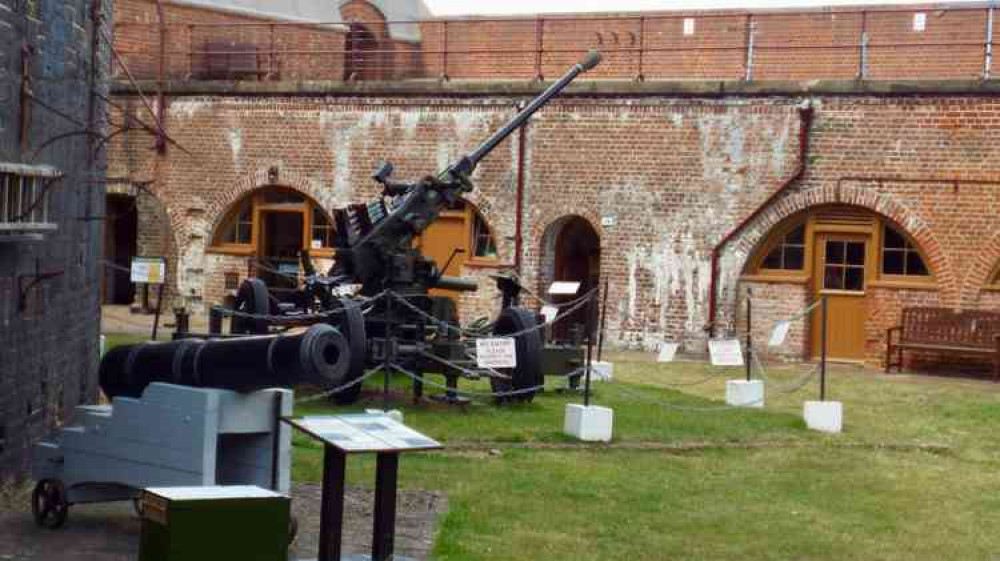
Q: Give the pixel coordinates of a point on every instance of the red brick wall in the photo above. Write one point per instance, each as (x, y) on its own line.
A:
(822, 43)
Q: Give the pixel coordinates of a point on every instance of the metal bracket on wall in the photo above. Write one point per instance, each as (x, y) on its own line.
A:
(33, 280)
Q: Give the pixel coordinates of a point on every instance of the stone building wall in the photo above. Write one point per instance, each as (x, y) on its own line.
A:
(50, 289)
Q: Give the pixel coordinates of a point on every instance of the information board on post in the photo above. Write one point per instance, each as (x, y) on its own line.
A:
(779, 334)
(725, 352)
(148, 270)
(496, 352)
(667, 352)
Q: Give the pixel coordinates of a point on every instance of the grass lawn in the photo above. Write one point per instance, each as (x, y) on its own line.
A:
(914, 475)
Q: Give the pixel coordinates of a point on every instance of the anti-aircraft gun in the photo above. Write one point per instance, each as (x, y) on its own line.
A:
(391, 314)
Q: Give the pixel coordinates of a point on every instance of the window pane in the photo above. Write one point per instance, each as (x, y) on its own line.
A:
(773, 259)
(794, 257)
(854, 279)
(892, 262)
(833, 277)
(834, 252)
(915, 265)
(796, 236)
(855, 253)
(277, 196)
(892, 239)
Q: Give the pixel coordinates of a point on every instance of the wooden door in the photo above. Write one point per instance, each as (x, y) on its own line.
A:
(450, 232)
(280, 242)
(840, 274)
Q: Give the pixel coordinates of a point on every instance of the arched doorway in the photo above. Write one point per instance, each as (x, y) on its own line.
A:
(361, 54)
(272, 226)
(840, 253)
(120, 246)
(574, 254)
(458, 237)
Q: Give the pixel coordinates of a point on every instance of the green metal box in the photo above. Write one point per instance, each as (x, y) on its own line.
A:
(213, 524)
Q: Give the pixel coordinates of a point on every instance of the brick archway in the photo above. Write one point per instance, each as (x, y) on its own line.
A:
(979, 274)
(851, 195)
(541, 255)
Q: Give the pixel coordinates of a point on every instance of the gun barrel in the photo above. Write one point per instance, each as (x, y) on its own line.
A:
(469, 162)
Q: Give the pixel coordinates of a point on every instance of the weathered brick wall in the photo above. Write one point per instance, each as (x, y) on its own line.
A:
(49, 329)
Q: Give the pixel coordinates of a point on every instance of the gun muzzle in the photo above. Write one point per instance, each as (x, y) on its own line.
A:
(592, 59)
(460, 284)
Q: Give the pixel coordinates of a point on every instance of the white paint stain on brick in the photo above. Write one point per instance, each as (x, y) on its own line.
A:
(187, 108)
(236, 145)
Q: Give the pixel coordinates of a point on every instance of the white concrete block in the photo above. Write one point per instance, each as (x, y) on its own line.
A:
(825, 416)
(742, 393)
(590, 423)
(601, 371)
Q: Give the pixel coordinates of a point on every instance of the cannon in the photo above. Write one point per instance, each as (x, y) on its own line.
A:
(374, 253)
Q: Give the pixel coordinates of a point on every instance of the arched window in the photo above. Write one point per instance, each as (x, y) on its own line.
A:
(272, 220)
(788, 252)
(900, 258)
(994, 279)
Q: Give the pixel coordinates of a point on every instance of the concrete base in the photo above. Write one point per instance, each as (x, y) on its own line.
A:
(601, 371)
(825, 416)
(591, 423)
(741, 393)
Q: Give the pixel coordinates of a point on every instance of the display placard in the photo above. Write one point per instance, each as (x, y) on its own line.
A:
(564, 288)
(549, 313)
(779, 334)
(148, 270)
(667, 352)
(364, 433)
(725, 352)
(496, 352)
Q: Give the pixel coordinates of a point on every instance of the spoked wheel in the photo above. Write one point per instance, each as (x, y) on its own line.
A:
(352, 326)
(528, 345)
(251, 298)
(48, 504)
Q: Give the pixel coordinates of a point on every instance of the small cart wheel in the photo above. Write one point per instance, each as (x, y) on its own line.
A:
(293, 528)
(48, 504)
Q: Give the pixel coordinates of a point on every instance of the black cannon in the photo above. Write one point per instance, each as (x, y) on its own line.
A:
(319, 356)
(374, 252)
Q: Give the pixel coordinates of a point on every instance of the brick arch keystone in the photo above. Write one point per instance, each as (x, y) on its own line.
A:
(882, 204)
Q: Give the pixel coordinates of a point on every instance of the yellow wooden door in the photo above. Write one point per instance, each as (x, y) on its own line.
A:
(439, 241)
(840, 275)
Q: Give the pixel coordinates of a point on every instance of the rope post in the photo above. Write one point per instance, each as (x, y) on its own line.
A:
(822, 358)
(590, 348)
(387, 348)
(749, 358)
(604, 314)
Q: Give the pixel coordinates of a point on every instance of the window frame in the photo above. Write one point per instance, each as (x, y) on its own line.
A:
(775, 239)
(893, 280)
(258, 205)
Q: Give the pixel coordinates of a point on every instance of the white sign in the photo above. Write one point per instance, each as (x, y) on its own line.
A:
(496, 352)
(725, 352)
(549, 313)
(148, 270)
(779, 333)
(919, 21)
(608, 220)
(564, 288)
(667, 352)
(688, 26)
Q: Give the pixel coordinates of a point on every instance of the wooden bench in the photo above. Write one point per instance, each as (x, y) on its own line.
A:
(944, 330)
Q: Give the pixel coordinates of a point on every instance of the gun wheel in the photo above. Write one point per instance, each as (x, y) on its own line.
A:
(48, 504)
(251, 298)
(352, 325)
(528, 372)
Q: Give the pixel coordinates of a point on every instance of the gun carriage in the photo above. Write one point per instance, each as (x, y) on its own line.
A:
(377, 293)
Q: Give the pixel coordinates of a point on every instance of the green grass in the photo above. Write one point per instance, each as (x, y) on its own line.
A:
(914, 475)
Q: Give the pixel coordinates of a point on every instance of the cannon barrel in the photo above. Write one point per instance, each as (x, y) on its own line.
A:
(461, 284)
(318, 356)
(468, 163)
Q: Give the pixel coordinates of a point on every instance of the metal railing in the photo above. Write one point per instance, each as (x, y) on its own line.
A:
(941, 44)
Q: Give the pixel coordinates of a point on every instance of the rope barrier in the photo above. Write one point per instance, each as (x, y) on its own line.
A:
(678, 407)
(327, 393)
(466, 393)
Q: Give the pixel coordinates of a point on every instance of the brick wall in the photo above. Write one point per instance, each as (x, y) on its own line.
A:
(821, 43)
(49, 329)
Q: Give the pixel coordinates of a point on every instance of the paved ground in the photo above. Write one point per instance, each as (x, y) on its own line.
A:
(110, 532)
(120, 319)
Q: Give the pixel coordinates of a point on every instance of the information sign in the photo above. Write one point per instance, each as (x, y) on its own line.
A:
(549, 313)
(364, 433)
(148, 270)
(725, 352)
(779, 334)
(564, 288)
(496, 352)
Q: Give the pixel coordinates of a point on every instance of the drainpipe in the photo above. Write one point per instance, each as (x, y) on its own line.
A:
(805, 121)
(519, 194)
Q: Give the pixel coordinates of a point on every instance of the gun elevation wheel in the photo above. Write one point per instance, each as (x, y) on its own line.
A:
(352, 325)
(48, 504)
(251, 298)
(528, 372)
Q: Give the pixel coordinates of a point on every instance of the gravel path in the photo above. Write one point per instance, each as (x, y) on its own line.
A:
(110, 532)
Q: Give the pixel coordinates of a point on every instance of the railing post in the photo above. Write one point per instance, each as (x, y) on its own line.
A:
(539, 44)
(751, 29)
(270, 58)
(190, 42)
(863, 47)
(444, 53)
(640, 76)
(988, 55)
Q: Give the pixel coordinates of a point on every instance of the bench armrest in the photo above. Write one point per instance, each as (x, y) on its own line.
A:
(888, 332)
